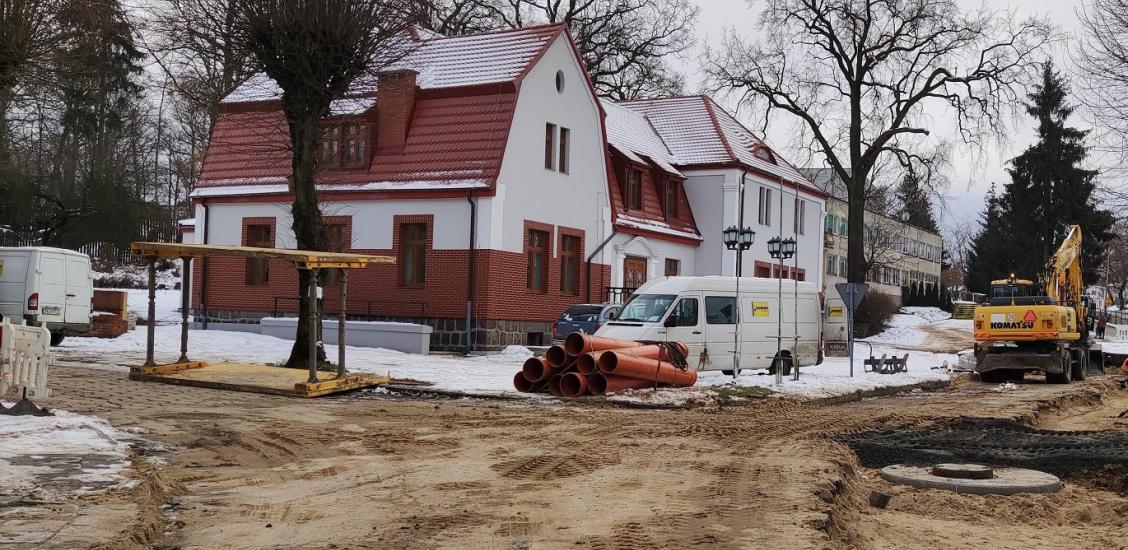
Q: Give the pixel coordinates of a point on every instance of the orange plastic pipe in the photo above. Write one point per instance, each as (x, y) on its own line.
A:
(602, 384)
(650, 351)
(588, 362)
(579, 343)
(620, 363)
(536, 369)
(556, 356)
(554, 385)
(573, 384)
(523, 385)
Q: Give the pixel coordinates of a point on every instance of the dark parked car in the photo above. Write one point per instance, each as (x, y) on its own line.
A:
(586, 318)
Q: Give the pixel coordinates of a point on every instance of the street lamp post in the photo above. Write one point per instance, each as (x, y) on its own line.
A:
(780, 249)
(738, 240)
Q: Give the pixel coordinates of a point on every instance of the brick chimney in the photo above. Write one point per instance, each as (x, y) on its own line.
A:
(395, 100)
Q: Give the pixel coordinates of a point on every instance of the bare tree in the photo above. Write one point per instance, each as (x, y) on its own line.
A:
(26, 35)
(194, 43)
(857, 75)
(1116, 265)
(624, 44)
(1102, 56)
(314, 50)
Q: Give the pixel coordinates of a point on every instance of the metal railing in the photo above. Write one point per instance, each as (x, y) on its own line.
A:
(618, 294)
(370, 307)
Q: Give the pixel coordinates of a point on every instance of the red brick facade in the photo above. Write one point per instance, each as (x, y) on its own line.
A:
(500, 289)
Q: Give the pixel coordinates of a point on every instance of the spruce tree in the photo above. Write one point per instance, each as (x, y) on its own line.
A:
(915, 208)
(990, 254)
(1050, 190)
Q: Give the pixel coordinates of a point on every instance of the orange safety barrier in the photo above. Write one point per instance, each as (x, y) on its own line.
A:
(579, 343)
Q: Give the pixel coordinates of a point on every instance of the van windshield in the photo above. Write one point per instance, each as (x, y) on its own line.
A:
(646, 308)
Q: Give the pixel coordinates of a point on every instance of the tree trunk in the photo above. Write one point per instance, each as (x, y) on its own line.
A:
(306, 214)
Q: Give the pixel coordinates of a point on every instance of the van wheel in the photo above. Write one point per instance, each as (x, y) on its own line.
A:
(728, 372)
(57, 338)
(786, 360)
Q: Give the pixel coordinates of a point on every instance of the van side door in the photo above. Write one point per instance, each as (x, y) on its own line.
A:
(80, 291)
(720, 330)
(52, 287)
(684, 324)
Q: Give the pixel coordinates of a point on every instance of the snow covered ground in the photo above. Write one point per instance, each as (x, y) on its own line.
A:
(904, 327)
(493, 374)
(46, 457)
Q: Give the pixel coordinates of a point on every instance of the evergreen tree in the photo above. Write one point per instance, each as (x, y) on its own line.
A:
(904, 295)
(990, 254)
(915, 208)
(1050, 191)
(912, 301)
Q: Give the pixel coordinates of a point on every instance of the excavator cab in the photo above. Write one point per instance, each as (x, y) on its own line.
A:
(1021, 292)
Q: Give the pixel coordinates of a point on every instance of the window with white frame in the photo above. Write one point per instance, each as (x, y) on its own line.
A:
(842, 265)
(800, 216)
(831, 264)
(765, 214)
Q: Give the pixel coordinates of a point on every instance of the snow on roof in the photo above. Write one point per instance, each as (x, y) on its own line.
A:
(442, 62)
(698, 131)
(655, 226)
(351, 106)
(631, 134)
(188, 222)
(239, 187)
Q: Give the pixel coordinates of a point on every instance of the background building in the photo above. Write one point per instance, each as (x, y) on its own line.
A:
(899, 254)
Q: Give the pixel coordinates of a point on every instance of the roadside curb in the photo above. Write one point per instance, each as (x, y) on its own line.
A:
(859, 395)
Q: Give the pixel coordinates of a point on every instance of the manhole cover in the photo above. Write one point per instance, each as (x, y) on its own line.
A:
(963, 471)
(1003, 481)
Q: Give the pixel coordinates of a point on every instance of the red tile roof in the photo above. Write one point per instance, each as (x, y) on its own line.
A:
(650, 219)
(453, 141)
(458, 130)
(699, 132)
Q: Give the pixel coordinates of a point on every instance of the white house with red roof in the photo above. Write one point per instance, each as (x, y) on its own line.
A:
(683, 169)
(504, 187)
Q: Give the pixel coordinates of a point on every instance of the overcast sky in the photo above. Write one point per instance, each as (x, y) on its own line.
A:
(970, 178)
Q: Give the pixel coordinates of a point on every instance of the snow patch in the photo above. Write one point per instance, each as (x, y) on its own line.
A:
(65, 453)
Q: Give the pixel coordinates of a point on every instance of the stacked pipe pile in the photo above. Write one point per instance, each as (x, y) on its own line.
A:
(595, 365)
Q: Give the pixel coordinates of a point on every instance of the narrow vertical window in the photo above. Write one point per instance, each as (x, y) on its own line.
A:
(258, 269)
(670, 198)
(413, 254)
(565, 135)
(634, 189)
(765, 206)
(800, 216)
(550, 146)
(536, 273)
(570, 264)
(673, 267)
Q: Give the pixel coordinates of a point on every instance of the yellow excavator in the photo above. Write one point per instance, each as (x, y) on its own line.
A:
(1024, 328)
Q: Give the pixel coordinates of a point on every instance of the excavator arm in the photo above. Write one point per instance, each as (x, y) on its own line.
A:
(1063, 277)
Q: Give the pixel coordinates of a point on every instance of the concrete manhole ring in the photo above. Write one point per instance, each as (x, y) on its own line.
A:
(1004, 481)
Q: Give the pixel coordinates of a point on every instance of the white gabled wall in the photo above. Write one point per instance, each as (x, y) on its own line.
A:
(656, 251)
(528, 191)
(714, 196)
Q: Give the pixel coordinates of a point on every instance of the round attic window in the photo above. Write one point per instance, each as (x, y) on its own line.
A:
(560, 81)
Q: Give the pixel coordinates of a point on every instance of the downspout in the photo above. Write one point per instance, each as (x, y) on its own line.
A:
(204, 268)
(592, 255)
(740, 222)
(470, 257)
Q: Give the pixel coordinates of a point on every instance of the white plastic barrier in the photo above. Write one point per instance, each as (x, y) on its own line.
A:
(25, 355)
(1116, 333)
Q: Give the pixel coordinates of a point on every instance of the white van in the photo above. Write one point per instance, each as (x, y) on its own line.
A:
(701, 312)
(47, 287)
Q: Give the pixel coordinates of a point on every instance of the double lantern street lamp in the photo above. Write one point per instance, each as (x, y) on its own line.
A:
(739, 240)
(783, 249)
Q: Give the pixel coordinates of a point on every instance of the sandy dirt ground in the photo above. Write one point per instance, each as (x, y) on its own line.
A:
(372, 471)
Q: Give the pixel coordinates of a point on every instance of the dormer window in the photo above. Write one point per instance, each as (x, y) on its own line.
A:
(670, 198)
(763, 153)
(344, 144)
(634, 189)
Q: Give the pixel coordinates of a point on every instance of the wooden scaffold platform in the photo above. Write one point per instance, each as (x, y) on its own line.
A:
(247, 377)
